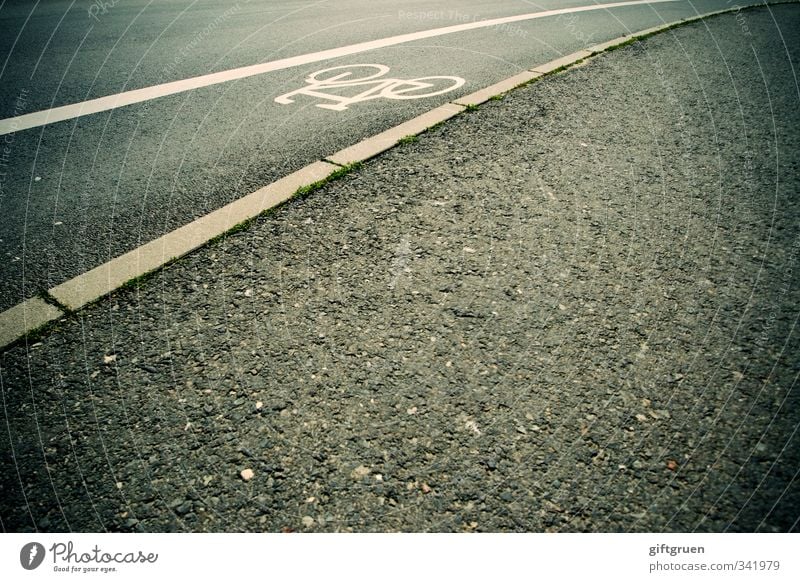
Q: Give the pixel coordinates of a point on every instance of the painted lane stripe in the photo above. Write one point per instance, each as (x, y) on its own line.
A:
(56, 114)
(102, 280)
(24, 318)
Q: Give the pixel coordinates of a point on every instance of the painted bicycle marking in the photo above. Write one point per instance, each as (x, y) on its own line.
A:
(346, 77)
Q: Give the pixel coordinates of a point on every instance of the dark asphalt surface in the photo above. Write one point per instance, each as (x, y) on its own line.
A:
(80, 192)
(573, 309)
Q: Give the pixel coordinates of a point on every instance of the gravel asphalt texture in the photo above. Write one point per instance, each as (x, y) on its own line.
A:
(80, 192)
(572, 309)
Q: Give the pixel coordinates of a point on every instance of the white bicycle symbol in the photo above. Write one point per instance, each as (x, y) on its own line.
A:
(387, 88)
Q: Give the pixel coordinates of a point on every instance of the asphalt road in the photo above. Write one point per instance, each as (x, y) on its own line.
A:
(573, 309)
(79, 192)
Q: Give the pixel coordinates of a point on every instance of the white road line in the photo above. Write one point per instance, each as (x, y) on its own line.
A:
(109, 102)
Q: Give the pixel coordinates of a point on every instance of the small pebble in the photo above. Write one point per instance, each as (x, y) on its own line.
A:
(359, 472)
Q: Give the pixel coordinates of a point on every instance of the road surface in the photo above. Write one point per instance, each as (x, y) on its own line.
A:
(78, 192)
(572, 309)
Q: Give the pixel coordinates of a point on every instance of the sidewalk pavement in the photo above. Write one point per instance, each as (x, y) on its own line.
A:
(572, 309)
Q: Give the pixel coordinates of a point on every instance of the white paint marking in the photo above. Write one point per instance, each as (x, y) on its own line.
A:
(110, 102)
(398, 89)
